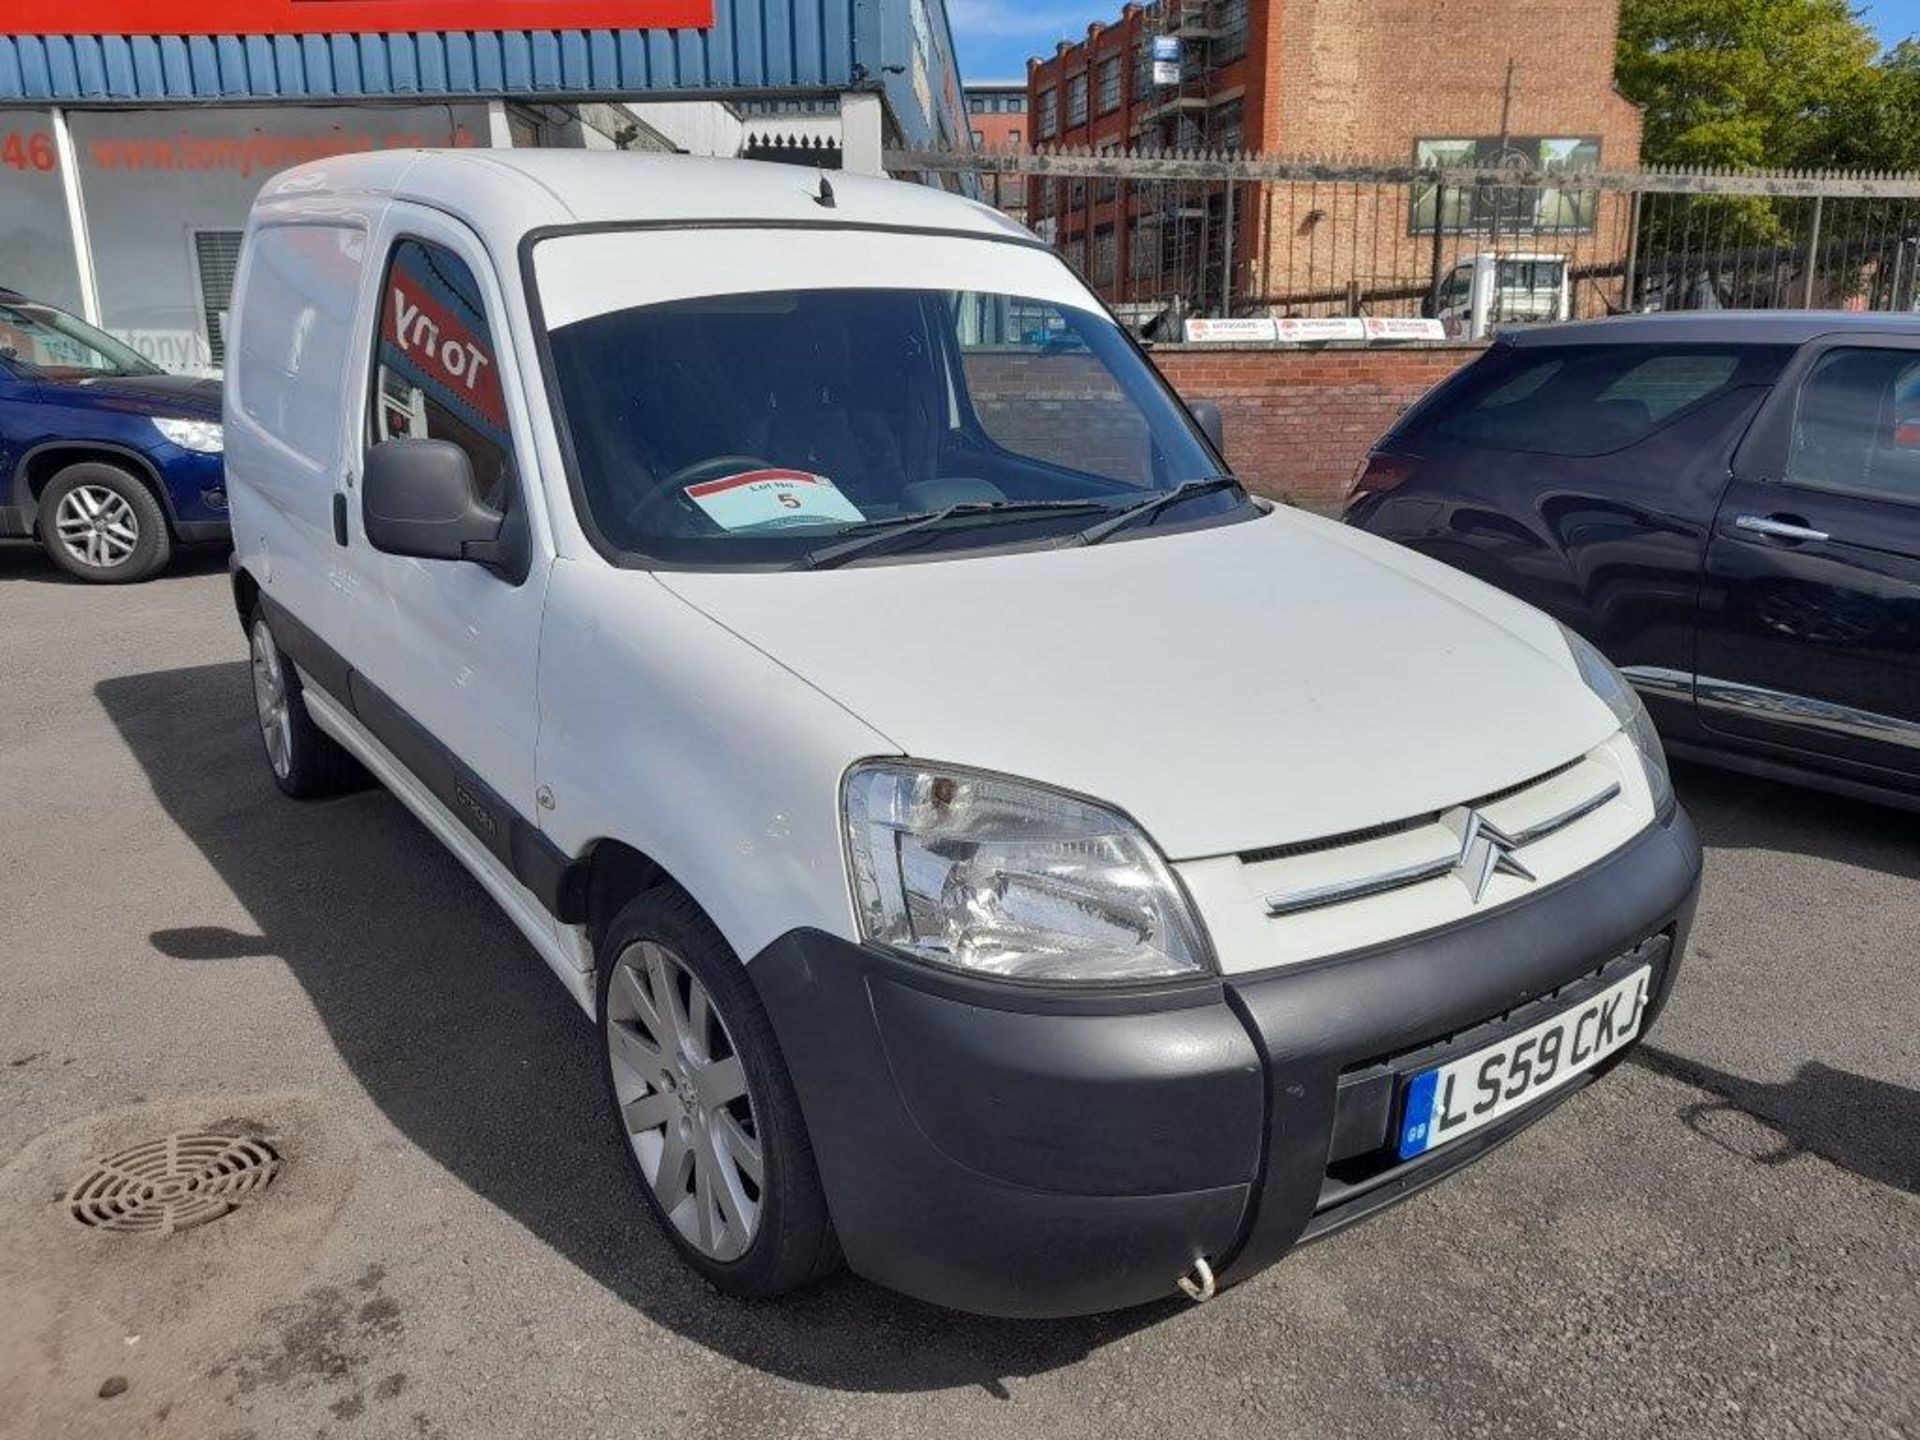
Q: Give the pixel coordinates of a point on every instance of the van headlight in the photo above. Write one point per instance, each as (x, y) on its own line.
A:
(1613, 687)
(205, 436)
(999, 877)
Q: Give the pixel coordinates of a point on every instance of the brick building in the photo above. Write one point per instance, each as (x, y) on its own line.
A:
(997, 115)
(1445, 81)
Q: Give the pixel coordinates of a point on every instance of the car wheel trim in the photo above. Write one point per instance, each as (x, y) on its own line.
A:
(684, 1101)
(270, 700)
(97, 526)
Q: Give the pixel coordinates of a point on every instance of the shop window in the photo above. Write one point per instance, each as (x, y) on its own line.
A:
(1077, 100)
(153, 178)
(1109, 85)
(37, 257)
(436, 372)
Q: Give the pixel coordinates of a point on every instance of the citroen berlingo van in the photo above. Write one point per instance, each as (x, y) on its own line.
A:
(997, 851)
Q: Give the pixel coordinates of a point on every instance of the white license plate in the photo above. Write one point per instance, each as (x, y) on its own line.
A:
(1456, 1099)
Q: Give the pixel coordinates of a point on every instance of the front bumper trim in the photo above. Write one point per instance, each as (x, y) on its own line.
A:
(1045, 1155)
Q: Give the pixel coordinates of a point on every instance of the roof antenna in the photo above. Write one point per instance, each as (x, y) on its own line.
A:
(825, 197)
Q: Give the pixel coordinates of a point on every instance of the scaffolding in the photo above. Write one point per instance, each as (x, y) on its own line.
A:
(1191, 225)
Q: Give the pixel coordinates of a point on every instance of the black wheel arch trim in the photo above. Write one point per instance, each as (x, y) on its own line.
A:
(23, 496)
(555, 878)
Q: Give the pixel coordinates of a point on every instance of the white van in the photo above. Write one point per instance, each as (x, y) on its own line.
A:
(1486, 290)
(993, 846)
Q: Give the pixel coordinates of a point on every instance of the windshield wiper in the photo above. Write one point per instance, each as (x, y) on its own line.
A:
(874, 534)
(1151, 506)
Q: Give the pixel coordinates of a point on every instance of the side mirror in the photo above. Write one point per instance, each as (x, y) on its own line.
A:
(1206, 415)
(419, 498)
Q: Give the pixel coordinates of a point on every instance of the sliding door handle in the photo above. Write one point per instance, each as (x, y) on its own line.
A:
(1778, 529)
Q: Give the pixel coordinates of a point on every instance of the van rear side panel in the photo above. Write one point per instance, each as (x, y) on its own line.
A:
(291, 400)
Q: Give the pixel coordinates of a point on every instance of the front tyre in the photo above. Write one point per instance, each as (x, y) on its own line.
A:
(703, 1105)
(99, 523)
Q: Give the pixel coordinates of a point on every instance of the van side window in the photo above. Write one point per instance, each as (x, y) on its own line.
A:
(1856, 428)
(435, 372)
(295, 333)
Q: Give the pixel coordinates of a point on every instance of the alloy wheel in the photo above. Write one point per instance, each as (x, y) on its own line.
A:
(270, 699)
(685, 1101)
(96, 526)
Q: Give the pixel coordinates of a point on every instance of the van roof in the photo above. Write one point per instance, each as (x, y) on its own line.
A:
(503, 194)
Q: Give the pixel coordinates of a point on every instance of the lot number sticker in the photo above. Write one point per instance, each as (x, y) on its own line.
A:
(771, 497)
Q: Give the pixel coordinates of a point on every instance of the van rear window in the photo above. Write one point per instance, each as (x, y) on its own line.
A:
(1588, 399)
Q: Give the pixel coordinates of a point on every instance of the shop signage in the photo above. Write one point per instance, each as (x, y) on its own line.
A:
(1403, 327)
(426, 340)
(321, 17)
(1310, 329)
(1248, 328)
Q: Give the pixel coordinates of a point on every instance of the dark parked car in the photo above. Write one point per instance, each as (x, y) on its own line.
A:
(1727, 504)
(107, 459)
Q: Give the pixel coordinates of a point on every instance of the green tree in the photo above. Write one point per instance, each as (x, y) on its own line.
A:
(1884, 133)
(1761, 83)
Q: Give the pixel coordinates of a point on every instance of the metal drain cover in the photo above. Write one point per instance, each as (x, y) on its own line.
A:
(172, 1183)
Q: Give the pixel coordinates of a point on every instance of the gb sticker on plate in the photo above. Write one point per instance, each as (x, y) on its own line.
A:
(771, 497)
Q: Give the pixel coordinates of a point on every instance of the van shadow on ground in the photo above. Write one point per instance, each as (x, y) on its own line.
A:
(469, 1046)
(1868, 1126)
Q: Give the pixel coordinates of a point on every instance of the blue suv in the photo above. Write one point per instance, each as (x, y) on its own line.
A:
(109, 461)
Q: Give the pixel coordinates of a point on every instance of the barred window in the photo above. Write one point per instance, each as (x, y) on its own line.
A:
(1076, 253)
(1228, 125)
(1143, 249)
(1230, 24)
(1103, 252)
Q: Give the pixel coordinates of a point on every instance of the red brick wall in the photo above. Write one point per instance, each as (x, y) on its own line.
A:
(1299, 422)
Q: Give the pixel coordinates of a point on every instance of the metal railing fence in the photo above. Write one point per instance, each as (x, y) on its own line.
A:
(1171, 234)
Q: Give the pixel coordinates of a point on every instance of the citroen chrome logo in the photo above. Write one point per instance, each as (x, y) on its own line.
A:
(1485, 851)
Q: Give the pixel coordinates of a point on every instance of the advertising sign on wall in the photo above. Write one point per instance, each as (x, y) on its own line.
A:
(333, 17)
(1166, 59)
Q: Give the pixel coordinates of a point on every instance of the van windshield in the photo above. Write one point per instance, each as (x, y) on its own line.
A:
(751, 429)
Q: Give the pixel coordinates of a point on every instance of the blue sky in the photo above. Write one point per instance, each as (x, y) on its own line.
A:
(995, 37)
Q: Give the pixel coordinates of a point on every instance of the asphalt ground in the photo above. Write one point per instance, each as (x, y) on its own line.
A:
(1723, 1238)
